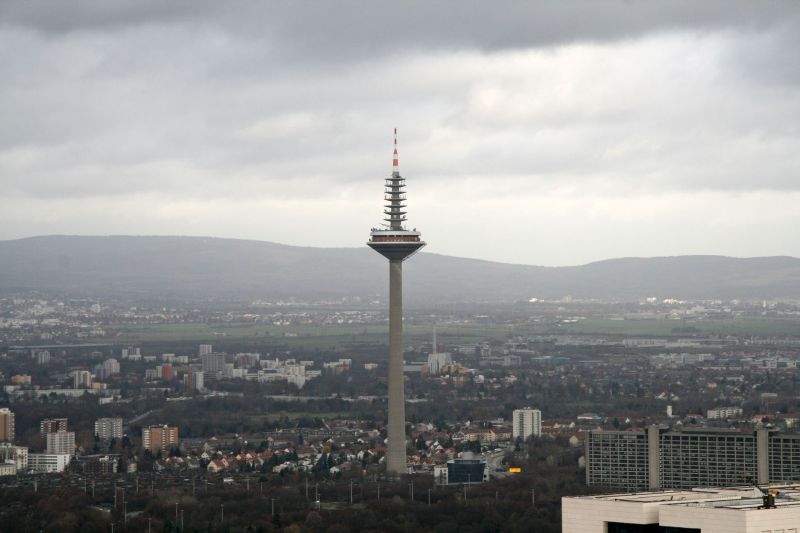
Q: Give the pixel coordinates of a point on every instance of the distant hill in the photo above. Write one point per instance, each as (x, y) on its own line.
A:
(198, 268)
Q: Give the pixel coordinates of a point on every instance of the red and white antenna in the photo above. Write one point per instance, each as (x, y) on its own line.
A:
(395, 166)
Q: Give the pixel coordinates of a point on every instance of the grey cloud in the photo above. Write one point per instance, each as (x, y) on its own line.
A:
(338, 30)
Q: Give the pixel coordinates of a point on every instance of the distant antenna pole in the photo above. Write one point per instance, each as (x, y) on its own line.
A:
(395, 159)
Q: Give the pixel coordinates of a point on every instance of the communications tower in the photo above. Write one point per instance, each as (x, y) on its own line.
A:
(396, 243)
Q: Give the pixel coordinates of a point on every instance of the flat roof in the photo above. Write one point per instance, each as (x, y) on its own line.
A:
(744, 498)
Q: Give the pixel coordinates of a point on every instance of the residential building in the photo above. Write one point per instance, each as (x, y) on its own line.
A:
(61, 443)
(51, 425)
(723, 413)
(46, 463)
(8, 469)
(6, 425)
(42, 357)
(204, 349)
(527, 423)
(165, 371)
(18, 455)
(160, 438)
(699, 510)
(109, 368)
(81, 379)
(133, 353)
(108, 428)
(195, 380)
(213, 363)
(93, 465)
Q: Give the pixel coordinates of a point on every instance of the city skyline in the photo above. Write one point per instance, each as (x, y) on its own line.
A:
(655, 130)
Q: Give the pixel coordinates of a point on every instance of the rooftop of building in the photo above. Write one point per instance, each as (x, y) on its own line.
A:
(745, 498)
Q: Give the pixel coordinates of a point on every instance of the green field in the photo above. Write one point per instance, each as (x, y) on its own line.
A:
(309, 336)
(671, 327)
(338, 336)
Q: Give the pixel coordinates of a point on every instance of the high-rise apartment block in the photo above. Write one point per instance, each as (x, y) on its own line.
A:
(160, 438)
(61, 443)
(108, 428)
(109, 368)
(42, 357)
(213, 363)
(51, 425)
(133, 353)
(6, 425)
(164, 371)
(204, 349)
(527, 423)
(194, 380)
(663, 458)
(81, 379)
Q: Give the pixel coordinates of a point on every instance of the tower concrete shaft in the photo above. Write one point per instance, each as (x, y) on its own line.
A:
(396, 456)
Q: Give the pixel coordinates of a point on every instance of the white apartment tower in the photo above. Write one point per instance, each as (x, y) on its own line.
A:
(61, 443)
(108, 428)
(527, 423)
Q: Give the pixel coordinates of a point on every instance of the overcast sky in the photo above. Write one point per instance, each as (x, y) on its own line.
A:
(546, 133)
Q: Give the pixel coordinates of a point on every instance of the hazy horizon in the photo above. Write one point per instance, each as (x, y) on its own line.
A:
(529, 133)
(423, 251)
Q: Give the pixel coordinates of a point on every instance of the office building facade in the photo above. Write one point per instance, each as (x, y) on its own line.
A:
(662, 458)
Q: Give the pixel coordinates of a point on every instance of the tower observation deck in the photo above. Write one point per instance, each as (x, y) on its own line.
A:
(395, 243)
